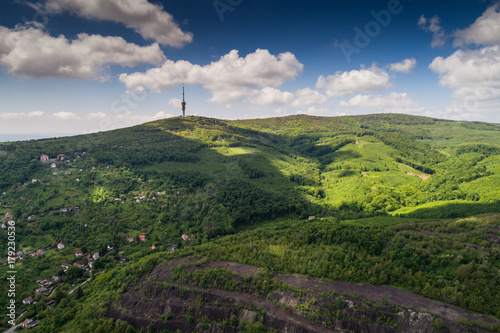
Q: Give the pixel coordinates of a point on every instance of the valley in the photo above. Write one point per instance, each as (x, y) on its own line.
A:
(253, 221)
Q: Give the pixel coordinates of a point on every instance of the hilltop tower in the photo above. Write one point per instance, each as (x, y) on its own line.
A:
(183, 104)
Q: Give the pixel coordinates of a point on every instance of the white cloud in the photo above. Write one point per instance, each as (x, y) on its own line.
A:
(30, 52)
(394, 102)
(230, 79)
(162, 114)
(147, 19)
(348, 83)
(404, 66)
(175, 102)
(36, 114)
(64, 115)
(433, 25)
(313, 110)
(272, 96)
(484, 31)
(469, 68)
(97, 115)
(13, 115)
(474, 76)
(308, 96)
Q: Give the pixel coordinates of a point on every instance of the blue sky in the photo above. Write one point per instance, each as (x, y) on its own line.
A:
(81, 66)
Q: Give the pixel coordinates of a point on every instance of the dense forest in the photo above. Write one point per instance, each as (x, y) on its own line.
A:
(401, 200)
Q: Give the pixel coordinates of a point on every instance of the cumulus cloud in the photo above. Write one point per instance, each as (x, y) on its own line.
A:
(348, 83)
(30, 52)
(474, 76)
(147, 19)
(313, 110)
(13, 115)
(272, 96)
(36, 114)
(230, 79)
(308, 96)
(404, 66)
(162, 114)
(484, 31)
(175, 102)
(433, 25)
(96, 115)
(393, 102)
(64, 115)
(469, 68)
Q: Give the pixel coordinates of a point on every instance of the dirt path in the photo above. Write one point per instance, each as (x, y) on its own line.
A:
(422, 176)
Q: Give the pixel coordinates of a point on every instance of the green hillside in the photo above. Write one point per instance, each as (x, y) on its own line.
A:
(385, 190)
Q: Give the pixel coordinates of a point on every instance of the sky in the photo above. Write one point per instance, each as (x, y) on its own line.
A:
(82, 66)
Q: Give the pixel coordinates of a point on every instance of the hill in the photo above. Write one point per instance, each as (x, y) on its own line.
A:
(405, 181)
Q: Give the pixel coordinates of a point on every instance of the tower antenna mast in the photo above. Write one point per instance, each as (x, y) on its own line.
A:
(183, 104)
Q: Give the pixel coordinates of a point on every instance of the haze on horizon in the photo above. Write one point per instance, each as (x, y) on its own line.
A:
(94, 65)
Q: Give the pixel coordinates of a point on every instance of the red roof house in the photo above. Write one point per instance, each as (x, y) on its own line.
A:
(28, 300)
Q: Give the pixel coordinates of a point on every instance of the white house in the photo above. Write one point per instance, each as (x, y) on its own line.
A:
(60, 246)
(44, 158)
(96, 256)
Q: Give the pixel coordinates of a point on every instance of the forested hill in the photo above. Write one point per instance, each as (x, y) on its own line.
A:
(242, 171)
(374, 198)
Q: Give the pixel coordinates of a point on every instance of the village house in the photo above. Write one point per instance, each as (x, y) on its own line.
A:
(28, 301)
(41, 290)
(65, 266)
(185, 237)
(3, 226)
(44, 158)
(50, 303)
(56, 278)
(29, 323)
(44, 283)
(8, 216)
(34, 180)
(96, 256)
(60, 246)
(79, 253)
(53, 165)
(40, 252)
(61, 157)
(311, 217)
(142, 237)
(79, 264)
(172, 247)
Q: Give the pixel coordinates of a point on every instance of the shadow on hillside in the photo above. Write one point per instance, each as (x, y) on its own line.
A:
(214, 187)
(453, 210)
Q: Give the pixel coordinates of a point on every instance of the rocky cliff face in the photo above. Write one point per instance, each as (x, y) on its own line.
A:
(190, 296)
